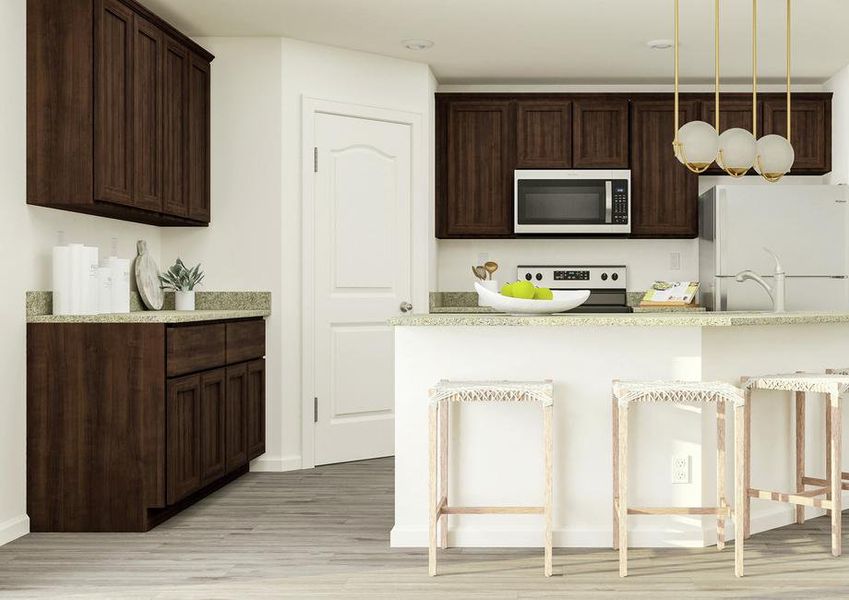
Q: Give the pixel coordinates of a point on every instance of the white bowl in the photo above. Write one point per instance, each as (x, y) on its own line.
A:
(563, 300)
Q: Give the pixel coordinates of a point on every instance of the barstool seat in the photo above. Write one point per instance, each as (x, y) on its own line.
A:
(719, 393)
(443, 392)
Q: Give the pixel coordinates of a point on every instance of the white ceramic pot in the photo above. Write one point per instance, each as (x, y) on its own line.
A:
(184, 300)
(491, 285)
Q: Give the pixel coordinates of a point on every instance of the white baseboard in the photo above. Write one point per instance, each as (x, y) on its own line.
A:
(13, 528)
(276, 464)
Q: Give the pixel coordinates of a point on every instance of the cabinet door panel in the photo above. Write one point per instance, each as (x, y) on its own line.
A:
(600, 133)
(175, 106)
(113, 120)
(236, 417)
(256, 408)
(544, 134)
(810, 131)
(735, 110)
(664, 194)
(149, 52)
(183, 434)
(212, 403)
(197, 146)
(474, 168)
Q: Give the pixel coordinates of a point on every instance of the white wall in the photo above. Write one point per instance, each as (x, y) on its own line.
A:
(311, 70)
(26, 236)
(242, 247)
(839, 85)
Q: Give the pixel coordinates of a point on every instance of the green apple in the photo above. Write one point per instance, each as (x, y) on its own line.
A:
(543, 294)
(507, 290)
(523, 289)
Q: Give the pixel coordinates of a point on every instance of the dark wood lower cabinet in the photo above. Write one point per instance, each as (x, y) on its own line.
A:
(113, 443)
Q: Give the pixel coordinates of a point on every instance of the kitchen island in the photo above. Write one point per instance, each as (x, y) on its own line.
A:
(496, 450)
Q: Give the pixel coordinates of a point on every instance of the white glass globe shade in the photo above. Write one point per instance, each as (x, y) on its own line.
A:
(699, 144)
(737, 151)
(775, 157)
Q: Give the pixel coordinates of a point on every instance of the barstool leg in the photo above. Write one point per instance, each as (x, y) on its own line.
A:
(740, 489)
(800, 452)
(431, 496)
(615, 445)
(623, 491)
(721, 501)
(443, 471)
(546, 412)
(835, 475)
(828, 444)
(747, 476)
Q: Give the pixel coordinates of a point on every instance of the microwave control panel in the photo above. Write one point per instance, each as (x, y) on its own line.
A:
(620, 201)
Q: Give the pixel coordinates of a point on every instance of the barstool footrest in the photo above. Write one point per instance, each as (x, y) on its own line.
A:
(681, 510)
(492, 510)
(822, 482)
(797, 499)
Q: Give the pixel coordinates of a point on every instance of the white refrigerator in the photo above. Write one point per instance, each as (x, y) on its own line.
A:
(805, 225)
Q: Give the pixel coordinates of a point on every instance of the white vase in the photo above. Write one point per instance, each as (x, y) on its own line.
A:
(184, 300)
(492, 286)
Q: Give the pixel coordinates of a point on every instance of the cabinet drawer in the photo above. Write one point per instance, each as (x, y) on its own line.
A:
(195, 348)
(245, 341)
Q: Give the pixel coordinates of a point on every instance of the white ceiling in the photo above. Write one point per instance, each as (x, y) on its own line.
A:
(543, 41)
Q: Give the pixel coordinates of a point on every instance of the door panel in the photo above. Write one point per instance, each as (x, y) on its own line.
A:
(148, 52)
(236, 417)
(183, 437)
(362, 275)
(212, 444)
(256, 408)
(600, 133)
(175, 106)
(197, 146)
(544, 134)
(113, 122)
(810, 131)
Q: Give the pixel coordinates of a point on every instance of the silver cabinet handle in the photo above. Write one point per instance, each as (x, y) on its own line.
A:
(406, 307)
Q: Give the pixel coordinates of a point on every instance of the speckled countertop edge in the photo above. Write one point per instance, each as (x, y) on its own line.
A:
(671, 319)
(210, 306)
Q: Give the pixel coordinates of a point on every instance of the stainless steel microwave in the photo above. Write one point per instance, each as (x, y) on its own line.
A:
(585, 202)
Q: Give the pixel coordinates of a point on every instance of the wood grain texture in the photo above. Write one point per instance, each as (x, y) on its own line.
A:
(835, 475)
(322, 533)
(198, 138)
(95, 426)
(810, 129)
(543, 134)
(256, 408)
(213, 398)
(148, 59)
(236, 417)
(800, 452)
(735, 110)
(721, 500)
(183, 424)
(175, 108)
(740, 491)
(600, 133)
(192, 348)
(245, 340)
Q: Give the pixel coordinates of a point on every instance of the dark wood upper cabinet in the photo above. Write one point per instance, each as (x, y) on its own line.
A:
(600, 133)
(236, 417)
(198, 138)
(735, 110)
(115, 99)
(810, 129)
(474, 164)
(149, 55)
(113, 103)
(543, 134)
(664, 194)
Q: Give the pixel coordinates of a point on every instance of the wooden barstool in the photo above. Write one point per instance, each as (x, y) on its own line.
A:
(627, 392)
(481, 391)
(831, 384)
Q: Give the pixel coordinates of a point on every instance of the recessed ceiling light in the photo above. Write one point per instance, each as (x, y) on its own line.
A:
(659, 44)
(417, 44)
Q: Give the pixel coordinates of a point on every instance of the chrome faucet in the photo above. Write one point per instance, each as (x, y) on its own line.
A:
(776, 293)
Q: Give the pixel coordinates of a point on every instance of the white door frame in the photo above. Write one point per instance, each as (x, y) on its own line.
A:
(419, 237)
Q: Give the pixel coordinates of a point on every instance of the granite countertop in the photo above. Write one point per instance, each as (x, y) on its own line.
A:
(211, 306)
(662, 319)
(467, 303)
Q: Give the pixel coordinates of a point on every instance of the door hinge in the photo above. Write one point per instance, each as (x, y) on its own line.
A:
(315, 159)
(315, 410)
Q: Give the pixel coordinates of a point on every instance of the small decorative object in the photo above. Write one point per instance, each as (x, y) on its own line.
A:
(182, 281)
(671, 293)
(525, 298)
(480, 272)
(491, 285)
(147, 278)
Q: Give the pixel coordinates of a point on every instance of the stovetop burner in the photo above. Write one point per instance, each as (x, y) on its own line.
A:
(607, 284)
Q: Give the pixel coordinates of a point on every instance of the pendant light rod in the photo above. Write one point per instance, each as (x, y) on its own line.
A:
(788, 70)
(675, 42)
(755, 69)
(716, 63)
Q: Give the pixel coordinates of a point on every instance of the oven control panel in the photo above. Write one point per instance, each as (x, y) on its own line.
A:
(575, 277)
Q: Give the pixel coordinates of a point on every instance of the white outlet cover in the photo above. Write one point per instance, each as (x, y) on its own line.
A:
(675, 261)
(680, 468)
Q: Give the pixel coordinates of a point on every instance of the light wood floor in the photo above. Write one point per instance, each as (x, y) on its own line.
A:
(324, 534)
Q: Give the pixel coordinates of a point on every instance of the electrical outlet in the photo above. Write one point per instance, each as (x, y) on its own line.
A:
(675, 261)
(680, 468)
(483, 257)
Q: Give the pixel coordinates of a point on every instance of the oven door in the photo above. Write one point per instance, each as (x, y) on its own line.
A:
(581, 202)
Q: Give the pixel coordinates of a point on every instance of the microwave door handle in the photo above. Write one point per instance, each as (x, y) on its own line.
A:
(608, 201)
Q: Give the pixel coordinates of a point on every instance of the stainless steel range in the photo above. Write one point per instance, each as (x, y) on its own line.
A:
(607, 284)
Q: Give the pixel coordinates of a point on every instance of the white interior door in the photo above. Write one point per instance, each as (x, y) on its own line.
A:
(362, 276)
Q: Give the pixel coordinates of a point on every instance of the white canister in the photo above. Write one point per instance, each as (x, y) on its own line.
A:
(120, 283)
(491, 285)
(184, 300)
(61, 280)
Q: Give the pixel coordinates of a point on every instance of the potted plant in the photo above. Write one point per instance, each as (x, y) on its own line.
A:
(182, 281)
